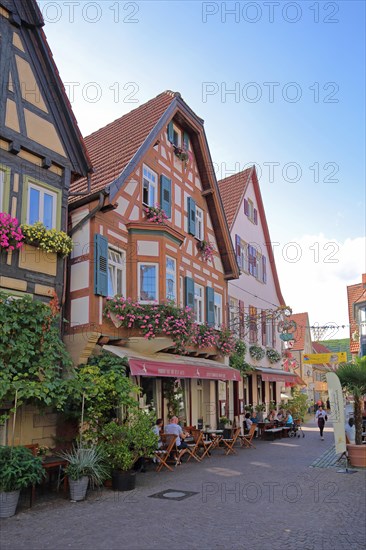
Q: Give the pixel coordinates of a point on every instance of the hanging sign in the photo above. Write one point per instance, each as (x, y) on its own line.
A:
(317, 358)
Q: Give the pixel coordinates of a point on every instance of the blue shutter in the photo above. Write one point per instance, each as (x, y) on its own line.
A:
(189, 292)
(170, 132)
(237, 250)
(264, 269)
(185, 140)
(166, 195)
(191, 216)
(100, 265)
(246, 207)
(210, 306)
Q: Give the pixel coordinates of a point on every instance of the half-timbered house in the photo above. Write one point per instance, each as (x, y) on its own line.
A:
(150, 226)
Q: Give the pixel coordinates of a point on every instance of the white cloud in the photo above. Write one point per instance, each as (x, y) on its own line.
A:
(314, 272)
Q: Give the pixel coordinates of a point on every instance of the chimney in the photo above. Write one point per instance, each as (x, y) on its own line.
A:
(364, 280)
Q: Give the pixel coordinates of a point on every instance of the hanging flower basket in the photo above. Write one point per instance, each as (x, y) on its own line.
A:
(182, 153)
(156, 214)
(256, 352)
(273, 355)
(206, 250)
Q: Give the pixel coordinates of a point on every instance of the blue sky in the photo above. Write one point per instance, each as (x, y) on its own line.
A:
(310, 55)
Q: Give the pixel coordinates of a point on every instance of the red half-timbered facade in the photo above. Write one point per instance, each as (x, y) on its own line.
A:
(149, 225)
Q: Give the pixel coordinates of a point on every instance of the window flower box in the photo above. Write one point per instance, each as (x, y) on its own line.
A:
(11, 235)
(256, 352)
(156, 214)
(273, 355)
(48, 240)
(182, 153)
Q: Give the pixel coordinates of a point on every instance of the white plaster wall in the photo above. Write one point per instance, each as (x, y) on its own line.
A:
(79, 276)
(148, 248)
(79, 311)
(81, 238)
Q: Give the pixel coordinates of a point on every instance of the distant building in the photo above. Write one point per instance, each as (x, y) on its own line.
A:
(356, 295)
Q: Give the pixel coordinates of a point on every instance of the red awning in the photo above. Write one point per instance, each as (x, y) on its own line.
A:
(278, 377)
(140, 367)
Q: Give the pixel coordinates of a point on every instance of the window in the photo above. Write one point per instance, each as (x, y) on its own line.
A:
(253, 329)
(177, 137)
(269, 331)
(116, 272)
(233, 315)
(218, 310)
(181, 291)
(2, 186)
(148, 282)
(198, 303)
(199, 224)
(149, 187)
(42, 204)
(170, 279)
(252, 260)
(250, 211)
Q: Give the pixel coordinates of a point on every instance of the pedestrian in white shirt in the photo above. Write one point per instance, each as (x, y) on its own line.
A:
(321, 417)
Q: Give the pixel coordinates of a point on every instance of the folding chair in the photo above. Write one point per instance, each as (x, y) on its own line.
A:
(192, 448)
(163, 454)
(229, 443)
(201, 443)
(246, 439)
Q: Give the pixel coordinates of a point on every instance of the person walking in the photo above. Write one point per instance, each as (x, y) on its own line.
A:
(321, 417)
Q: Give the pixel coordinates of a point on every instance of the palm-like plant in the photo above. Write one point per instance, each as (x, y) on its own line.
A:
(353, 378)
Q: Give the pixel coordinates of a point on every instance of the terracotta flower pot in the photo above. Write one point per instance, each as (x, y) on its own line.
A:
(357, 455)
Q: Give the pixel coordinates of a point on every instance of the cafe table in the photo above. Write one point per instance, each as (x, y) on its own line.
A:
(215, 435)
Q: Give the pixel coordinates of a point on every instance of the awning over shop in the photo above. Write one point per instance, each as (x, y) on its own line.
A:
(176, 366)
(276, 375)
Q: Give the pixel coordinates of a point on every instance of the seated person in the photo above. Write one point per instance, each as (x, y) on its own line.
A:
(157, 430)
(288, 419)
(351, 431)
(248, 421)
(254, 418)
(174, 428)
(280, 415)
(272, 416)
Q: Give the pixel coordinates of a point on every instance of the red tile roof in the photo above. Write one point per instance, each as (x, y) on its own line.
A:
(302, 321)
(355, 294)
(232, 191)
(319, 348)
(113, 146)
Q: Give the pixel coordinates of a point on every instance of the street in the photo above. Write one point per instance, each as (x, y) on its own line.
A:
(270, 497)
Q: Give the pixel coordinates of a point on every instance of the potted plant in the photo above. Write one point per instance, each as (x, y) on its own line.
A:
(84, 465)
(260, 408)
(123, 443)
(11, 236)
(224, 422)
(18, 469)
(256, 352)
(353, 378)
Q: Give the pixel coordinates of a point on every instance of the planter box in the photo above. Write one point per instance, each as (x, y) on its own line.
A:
(8, 503)
(357, 455)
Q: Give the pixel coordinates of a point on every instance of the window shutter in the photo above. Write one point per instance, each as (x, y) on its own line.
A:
(210, 306)
(170, 132)
(246, 207)
(100, 265)
(165, 195)
(255, 216)
(189, 292)
(241, 319)
(264, 320)
(264, 269)
(273, 333)
(237, 250)
(191, 216)
(186, 140)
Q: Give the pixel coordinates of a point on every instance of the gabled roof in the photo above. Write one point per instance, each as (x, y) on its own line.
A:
(232, 191)
(302, 321)
(112, 147)
(120, 146)
(27, 15)
(320, 348)
(355, 294)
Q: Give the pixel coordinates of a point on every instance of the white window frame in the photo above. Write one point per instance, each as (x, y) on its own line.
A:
(269, 331)
(251, 210)
(234, 315)
(139, 265)
(199, 304)
(181, 291)
(152, 179)
(200, 228)
(244, 256)
(259, 275)
(119, 270)
(174, 272)
(218, 310)
(42, 192)
(177, 132)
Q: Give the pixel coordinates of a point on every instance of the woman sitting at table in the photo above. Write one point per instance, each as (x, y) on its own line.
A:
(271, 416)
(288, 419)
(248, 421)
(280, 415)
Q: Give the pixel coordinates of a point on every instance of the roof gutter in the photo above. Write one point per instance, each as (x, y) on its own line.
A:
(102, 196)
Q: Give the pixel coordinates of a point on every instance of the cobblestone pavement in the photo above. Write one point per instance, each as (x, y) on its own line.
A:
(264, 498)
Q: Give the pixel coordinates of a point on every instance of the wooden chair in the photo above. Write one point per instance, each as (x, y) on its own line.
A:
(193, 448)
(202, 443)
(163, 454)
(246, 439)
(229, 443)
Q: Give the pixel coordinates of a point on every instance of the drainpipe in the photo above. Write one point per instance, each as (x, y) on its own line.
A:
(102, 197)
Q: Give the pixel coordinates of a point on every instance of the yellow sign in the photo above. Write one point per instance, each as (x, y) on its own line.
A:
(339, 357)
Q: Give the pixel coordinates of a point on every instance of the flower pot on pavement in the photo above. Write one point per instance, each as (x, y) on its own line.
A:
(357, 455)
(78, 488)
(8, 503)
(123, 481)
